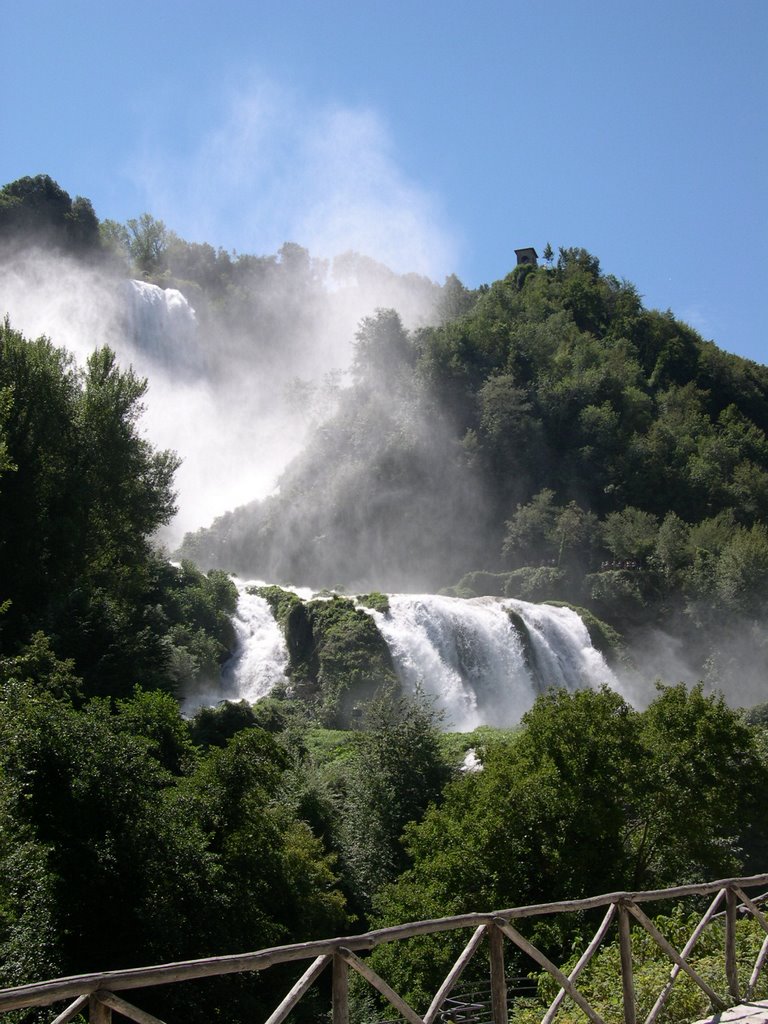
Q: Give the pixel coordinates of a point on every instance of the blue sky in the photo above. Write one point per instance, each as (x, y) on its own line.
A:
(437, 137)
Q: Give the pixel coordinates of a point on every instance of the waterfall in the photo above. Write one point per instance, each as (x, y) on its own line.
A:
(464, 654)
(482, 661)
(259, 661)
(561, 650)
(261, 656)
(164, 326)
(468, 656)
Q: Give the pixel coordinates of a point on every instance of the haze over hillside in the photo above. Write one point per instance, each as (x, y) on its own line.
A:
(243, 353)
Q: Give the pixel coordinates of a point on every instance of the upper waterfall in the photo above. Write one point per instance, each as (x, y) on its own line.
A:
(163, 326)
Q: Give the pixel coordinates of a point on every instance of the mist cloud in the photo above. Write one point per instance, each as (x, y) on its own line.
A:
(277, 167)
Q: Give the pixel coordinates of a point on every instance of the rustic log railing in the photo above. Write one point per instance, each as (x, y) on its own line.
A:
(96, 993)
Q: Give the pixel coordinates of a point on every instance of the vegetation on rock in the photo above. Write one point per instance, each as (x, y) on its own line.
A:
(338, 659)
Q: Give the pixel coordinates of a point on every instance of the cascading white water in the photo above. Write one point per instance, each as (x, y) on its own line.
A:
(164, 326)
(467, 655)
(464, 654)
(562, 651)
(260, 658)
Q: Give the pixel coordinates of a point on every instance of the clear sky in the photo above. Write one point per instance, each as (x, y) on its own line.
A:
(435, 136)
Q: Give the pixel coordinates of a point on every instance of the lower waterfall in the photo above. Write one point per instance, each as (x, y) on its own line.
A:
(483, 660)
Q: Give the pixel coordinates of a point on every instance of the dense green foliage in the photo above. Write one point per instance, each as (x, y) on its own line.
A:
(672, 794)
(651, 967)
(36, 209)
(82, 495)
(395, 773)
(122, 844)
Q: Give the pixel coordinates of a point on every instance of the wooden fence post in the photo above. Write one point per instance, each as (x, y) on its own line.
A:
(499, 1013)
(627, 981)
(731, 967)
(340, 990)
(98, 1012)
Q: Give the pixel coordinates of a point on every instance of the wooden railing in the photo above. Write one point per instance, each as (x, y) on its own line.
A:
(97, 993)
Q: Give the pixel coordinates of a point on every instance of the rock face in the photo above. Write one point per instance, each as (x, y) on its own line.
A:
(337, 658)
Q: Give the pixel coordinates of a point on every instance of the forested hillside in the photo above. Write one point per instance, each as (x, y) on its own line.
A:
(547, 438)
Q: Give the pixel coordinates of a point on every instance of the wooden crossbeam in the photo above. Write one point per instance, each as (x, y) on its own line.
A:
(685, 953)
(126, 1009)
(71, 1011)
(294, 996)
(584, 959)
(759, 964)
(763, 954)
(752, 907)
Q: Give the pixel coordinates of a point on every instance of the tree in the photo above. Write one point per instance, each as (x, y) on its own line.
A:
(82, 226)
(396, 772)
(701, 797)
(78, 513)
(455, 299)
(742, 571)
(575, 259)
(85, 799)
(34, 206)
(509, 425)
(115, 238)
(520, 831)
(543, 530)
(147, 243)
(37, 210)
(383, 351)
(38, 535)
(529, 530)
(280, 884)
(129, 484)
(6, 402)
(630, 533)
(38, 667)
(109, 859)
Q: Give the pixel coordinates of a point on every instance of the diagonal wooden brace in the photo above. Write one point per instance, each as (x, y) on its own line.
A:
(380, 985)
(717, 1001)
(522, 943)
